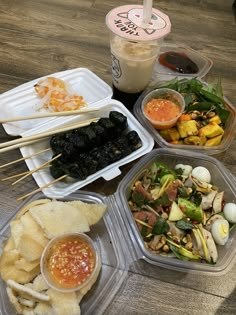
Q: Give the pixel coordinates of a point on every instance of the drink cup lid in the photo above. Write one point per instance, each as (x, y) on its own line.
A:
(127, 22)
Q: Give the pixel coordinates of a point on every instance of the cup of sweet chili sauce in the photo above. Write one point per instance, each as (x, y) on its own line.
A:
(163, 107)
(69, 262)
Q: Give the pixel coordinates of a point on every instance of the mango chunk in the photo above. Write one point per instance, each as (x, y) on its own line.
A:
(211, 130)
(187, 128)
(214, 141)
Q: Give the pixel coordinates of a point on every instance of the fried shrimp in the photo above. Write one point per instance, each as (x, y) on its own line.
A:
(56, 96)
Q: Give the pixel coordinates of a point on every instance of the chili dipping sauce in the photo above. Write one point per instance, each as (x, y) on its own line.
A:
(161, 110)
(70, 262)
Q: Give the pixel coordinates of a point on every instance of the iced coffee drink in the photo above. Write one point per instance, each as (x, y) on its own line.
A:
(135, 46)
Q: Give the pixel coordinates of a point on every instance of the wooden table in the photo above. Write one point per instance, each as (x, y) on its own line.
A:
(42, 37)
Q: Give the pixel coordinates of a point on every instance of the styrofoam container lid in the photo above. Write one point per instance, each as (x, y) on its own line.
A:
(23, 100)
(127, 22)
(61, 189)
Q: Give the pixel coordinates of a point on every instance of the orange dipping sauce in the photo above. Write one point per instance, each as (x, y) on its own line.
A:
(161, 110)
(71, 262)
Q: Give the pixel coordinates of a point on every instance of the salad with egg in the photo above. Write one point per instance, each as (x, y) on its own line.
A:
(180, 212)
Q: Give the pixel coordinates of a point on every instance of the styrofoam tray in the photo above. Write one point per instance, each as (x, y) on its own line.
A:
(24, 101)
(62, 189)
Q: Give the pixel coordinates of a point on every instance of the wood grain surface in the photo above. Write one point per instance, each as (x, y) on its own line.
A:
(41, 37)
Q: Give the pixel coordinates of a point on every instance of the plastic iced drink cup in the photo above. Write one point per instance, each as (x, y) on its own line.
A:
(135, 45)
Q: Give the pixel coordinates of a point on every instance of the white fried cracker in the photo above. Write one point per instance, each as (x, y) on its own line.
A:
(64, 303)
(27, 292)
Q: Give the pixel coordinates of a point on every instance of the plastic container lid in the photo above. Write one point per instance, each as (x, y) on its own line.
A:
(127, 21)
(162, 72)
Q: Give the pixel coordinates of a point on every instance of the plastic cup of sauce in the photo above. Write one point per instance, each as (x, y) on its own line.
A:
(135, 45)
(163, 107)
(69, 262)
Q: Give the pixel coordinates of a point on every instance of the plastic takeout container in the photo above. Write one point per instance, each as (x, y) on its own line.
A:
(220, 177)
(24, 101)
(81, 238)
(118, 225)
(229, 130)
(108, 243)
(167, 94)
(162, 72)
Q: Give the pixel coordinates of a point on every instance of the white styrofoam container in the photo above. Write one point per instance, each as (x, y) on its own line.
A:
(62, 188)
(24, 101)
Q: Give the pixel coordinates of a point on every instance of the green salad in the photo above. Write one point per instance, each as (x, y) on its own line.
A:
(180, 212)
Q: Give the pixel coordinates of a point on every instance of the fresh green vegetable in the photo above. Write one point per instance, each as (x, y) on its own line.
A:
(184, 225)
(190, 209)
(204, 97)
(160, 227)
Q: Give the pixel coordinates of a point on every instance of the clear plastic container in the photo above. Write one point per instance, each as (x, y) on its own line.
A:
(220, 176)
(106, 236)
(84, 239)
(118, 225)
(229, 131)
(166, 94)
(203, 63)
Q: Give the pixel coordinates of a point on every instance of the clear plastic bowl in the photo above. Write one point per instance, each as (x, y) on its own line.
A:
(170, 95)
(229, 130)
(220, 176)
(163, 73)
(49, 250)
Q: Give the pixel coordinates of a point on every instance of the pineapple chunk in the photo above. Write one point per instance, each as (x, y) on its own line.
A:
(214, 141)
(215, 119)
(187, 128)
(211, 130)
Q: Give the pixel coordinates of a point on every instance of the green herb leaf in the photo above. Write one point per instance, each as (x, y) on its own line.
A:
(160, 227)
(175, 251)
(162, 201)
(184, 225)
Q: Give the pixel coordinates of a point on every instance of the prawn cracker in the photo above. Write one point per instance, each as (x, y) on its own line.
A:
(93, 212)
(33, 229)
(64, 304)
(9, 271)
(29, 248)
(27, 292)
(58, 217)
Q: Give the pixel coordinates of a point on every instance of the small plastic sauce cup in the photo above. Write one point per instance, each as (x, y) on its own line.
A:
(163, 107)
(69, 262)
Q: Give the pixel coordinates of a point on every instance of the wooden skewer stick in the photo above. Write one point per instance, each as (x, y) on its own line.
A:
(41, 188)
(19, 145)
(13, 176)
(24, 158)
(17, 175)
(36, 169)
(44, 115)
(41, 135)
